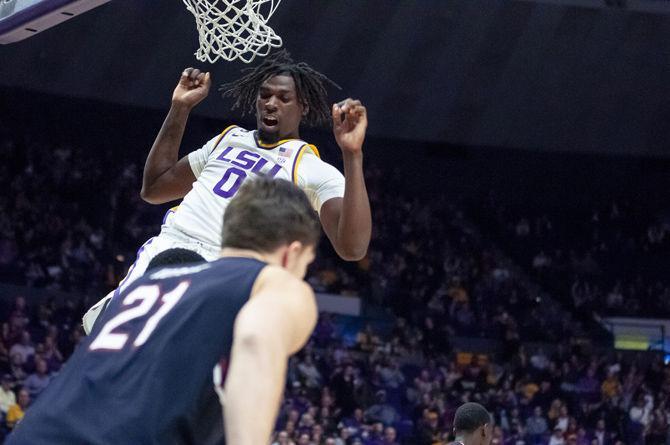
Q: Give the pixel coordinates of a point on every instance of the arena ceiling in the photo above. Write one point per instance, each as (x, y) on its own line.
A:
(528, 74)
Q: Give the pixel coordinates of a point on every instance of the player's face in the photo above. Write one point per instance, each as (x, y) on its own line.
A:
(278, 109)
(297, 258)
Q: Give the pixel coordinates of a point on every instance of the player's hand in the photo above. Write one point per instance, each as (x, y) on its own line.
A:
(350, 120)
(192, 88)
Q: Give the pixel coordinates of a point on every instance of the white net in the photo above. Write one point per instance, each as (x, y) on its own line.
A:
(234, 29)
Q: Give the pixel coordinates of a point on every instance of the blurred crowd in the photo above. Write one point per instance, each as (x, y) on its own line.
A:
(72, 220)
(393, 388)
(388, 385)
(35, 341)
(610, 257)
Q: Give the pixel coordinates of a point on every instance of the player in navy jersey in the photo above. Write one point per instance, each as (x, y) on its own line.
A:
(283, 94)
(185, 350)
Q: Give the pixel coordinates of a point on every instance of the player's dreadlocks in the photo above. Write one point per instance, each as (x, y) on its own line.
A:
(310, 86)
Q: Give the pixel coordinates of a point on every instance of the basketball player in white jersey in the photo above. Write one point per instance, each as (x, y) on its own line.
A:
(283, 95)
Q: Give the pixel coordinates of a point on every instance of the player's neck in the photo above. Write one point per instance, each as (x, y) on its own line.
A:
(270, 139)
(247, 253)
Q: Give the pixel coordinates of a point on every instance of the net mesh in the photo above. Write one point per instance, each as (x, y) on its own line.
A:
(234, 29)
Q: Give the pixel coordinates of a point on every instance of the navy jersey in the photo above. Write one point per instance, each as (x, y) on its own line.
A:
(145, 374)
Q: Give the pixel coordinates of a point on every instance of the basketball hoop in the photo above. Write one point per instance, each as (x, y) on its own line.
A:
(234, 29)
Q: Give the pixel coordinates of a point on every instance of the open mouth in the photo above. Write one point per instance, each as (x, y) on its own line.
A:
(270, 121)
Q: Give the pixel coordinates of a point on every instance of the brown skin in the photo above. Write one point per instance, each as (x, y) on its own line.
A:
(277, 101)
(346, 221)
(480, 436)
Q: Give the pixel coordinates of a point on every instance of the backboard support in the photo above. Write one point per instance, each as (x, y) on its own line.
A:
(20, 19)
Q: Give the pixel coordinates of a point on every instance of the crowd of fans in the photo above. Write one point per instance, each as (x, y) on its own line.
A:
(393, 388)
(63, 231)
(387, 385)
(610, 257)
(72, 219)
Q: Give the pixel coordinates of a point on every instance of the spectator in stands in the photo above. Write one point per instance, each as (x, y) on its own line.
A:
(7, 396)
(639, 417)
(16, 368)
(282, 438)
(52, 354)
(390, 375)
(390, 436)
(557, 438)
(36, 382)
(24, 348)
(309, 373)
(17, 411)
(599, 434)
(382, 411)
(536, 427)
(611, 387)
(563, 419)
(354, 424)
(428, 431)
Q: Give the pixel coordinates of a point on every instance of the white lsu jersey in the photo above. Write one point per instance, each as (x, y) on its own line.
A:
(225, 162)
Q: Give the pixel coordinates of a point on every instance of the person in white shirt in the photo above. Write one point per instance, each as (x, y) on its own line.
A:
(284, 94)
(23, 348)
(557, 438)
(7, 396)
(641, 411)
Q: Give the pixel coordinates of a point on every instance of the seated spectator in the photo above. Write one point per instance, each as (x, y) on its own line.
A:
(17, 411)
(639, 418)
(36, 382)
(354, 424)
(390, 436)
(52, 354)
(304, 439)
(24, 348)
(611, 387)
(563, 419)
(557, 438)
(428, 431)
(282, 438)
(7, 396)
(16, 368)
(599, 434)
(382, 411)
(309, 372)
(536, 427)
(390, 374)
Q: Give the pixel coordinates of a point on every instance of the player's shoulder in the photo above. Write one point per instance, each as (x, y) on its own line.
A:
(280, 280)
(227, 132)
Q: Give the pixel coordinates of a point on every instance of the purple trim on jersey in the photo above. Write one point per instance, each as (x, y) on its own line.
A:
(166, 215)
(223, 135)
(132, 266)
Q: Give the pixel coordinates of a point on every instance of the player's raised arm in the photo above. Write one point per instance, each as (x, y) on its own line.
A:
(275, 323)
(165, 177)
(347, 221)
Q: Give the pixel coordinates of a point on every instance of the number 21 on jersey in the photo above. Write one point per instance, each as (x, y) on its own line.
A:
(112, 337)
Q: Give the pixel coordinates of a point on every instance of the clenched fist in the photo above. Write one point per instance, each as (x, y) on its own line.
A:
(192, 88)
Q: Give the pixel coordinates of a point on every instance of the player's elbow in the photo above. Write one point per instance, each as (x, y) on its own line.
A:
(150, 196)
(352, 253)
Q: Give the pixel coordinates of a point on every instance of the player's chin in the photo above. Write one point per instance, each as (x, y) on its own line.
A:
(268, 133)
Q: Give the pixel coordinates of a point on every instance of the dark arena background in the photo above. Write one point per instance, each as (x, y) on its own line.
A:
(518, 166)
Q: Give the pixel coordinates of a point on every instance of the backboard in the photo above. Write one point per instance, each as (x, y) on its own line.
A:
(20, 19)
